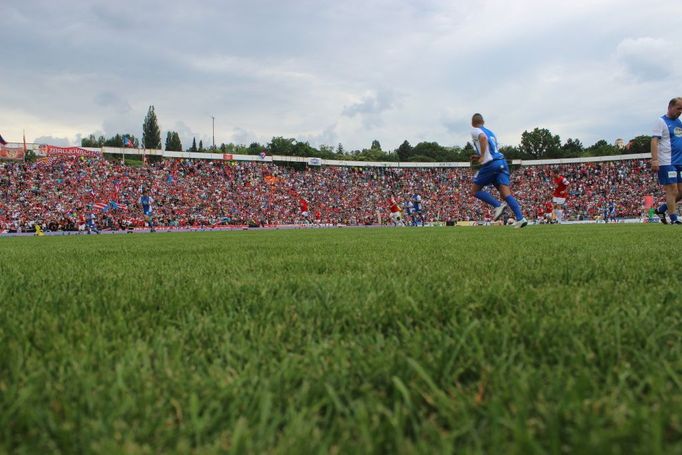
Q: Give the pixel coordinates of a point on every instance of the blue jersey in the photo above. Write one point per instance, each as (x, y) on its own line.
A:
(491, 152)
(669, 133)
(146, 203)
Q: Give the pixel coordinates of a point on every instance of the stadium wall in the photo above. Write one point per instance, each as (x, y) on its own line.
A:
(313, 161)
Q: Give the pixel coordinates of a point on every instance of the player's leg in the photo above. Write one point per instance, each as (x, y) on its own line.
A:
(481, 179)
(502, 184)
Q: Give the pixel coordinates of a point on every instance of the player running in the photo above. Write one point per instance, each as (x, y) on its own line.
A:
(493, 171)
(146, 202)
(417, 210)
(396, 213)
(559, 195)
(666, 159)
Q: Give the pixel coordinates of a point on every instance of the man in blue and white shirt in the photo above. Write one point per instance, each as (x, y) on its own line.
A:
(146, 202)
(666, 158)
(493, 171)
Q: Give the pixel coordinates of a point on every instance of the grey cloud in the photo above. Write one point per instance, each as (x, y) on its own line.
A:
(371, 106)
(58, 141)
(649, 58)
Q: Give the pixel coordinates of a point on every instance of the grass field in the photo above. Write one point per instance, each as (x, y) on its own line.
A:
(548, 339)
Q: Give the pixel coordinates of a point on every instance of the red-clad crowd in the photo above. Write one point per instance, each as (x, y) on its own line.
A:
(61, 193)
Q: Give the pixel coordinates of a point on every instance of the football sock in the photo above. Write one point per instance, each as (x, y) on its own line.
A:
(511, 202)
(663, 208)
(487, 198)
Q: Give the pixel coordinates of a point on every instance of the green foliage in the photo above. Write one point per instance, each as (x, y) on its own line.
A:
(151, 134)
(572, 148)
(330, 341)
(193, 148)
(201, 146)
(540, 143)
(30, 156)
(405, 151)
(173, 142)
(601, 148)
(640, 144)
(115, 141)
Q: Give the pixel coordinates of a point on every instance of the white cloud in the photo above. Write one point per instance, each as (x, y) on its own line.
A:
(329, 71)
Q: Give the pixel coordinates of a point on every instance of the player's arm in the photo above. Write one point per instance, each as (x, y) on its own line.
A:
(654, 154)
(483, 143)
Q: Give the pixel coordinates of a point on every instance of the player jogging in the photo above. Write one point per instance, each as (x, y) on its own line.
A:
(666, 159)
(559, 195)
(493, 171)
(146, 202)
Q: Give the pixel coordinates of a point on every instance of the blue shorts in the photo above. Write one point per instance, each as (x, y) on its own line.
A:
(148, 212)
(669, 174)
(495, 172)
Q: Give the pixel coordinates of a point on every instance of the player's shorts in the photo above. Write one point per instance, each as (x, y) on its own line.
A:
(305, 214)
(495, 172)
(418, 208)
(395, 216)
(148, 212)
(559, 200)
(669, 174)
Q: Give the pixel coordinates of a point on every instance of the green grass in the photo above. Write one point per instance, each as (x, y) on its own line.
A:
(548, 339)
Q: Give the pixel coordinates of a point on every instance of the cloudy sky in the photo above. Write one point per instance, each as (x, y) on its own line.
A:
(337, 71)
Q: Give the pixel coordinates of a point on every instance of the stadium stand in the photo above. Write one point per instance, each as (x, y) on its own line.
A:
(58, 193)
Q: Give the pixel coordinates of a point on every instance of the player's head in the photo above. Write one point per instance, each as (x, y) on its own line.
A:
(675, 108)
(477, 120)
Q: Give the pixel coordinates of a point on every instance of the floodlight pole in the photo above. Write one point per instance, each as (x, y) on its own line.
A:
(213, 118)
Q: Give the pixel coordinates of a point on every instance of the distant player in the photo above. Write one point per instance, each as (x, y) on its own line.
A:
(396, 213)
(146, 202)
(90, 223)
(417, 210)
(303, 205)
(493, 171)
(611, 212)
(559, 195)
(666, 159)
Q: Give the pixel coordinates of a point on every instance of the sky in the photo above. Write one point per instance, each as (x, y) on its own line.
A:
(337, 71)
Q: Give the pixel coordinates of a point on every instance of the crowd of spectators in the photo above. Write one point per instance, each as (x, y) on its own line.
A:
(58, 194)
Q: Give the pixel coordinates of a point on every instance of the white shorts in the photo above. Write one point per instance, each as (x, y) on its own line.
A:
(559, 200)
(395, 216)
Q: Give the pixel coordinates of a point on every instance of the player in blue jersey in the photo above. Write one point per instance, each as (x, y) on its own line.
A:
(493, 171)
(417, 210)
(90, 224)
(666, 158)
(146, 202)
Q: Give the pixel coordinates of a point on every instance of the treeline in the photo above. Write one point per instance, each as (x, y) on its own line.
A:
(539, 143)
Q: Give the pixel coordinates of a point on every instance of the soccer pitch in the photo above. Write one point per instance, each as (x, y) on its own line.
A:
(435, 340)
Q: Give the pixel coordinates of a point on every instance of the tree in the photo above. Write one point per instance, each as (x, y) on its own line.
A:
(340, 151)
(640, 144)
(151, 134)
(572, 148)
(433, 150)
(255, 149)
(193, 148)
(601, 148)
(281, 146)
(405, 151)
(201, 145)
(375, 145)
(173, 143)
(540, 143)
(92, 141)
